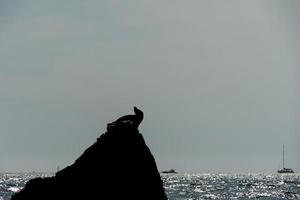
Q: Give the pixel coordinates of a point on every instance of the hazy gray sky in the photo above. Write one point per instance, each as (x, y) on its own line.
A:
(218, 81)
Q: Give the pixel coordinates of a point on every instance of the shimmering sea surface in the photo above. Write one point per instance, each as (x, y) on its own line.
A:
(196, 186)
(11, 183)
(232, 186)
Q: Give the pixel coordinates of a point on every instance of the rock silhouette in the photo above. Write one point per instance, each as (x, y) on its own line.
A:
(118, 166)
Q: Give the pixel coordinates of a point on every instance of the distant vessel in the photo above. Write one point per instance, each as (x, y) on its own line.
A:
(171, 171)
(284, 170)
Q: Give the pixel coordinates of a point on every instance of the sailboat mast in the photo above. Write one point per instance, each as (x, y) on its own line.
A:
(283, 156)
(284, 170)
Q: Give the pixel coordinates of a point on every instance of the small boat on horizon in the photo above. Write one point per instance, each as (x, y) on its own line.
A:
(284, 170)
(171, 171)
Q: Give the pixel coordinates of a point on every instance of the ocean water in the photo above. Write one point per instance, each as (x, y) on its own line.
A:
(11, 183)
(196, 186)
(232, 186)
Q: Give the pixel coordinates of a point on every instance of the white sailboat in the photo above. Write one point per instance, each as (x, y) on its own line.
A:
(284, 170)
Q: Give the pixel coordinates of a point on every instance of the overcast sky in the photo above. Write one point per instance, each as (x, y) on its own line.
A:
(218, 81)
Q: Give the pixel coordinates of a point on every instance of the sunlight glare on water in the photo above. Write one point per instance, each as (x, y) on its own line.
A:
(11, 183)
(231, 186)
(196, 186)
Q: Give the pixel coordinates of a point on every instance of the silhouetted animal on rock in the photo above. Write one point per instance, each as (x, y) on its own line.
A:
(131, 120)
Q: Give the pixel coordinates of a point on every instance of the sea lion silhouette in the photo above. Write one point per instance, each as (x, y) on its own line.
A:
(134, 120)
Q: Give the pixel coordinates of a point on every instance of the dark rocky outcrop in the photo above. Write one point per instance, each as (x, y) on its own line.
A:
(118, 166)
